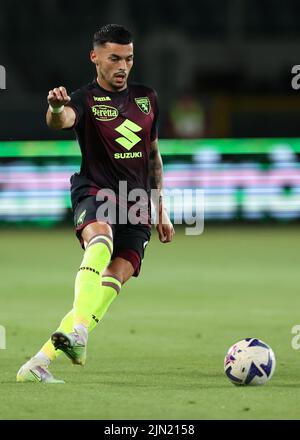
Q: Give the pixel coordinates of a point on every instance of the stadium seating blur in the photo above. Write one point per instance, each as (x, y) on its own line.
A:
(213, 52)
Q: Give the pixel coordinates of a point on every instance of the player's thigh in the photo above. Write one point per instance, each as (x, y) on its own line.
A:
(87, 222)
(130, 242)
(120, 269)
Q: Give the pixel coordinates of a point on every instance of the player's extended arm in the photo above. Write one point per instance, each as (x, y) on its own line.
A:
(164, 226)
(59, 117)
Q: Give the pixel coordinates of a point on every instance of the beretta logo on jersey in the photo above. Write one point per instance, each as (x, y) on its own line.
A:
(104, 112)
(143, 104)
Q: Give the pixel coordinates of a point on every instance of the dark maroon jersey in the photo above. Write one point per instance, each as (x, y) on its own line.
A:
(114, 131)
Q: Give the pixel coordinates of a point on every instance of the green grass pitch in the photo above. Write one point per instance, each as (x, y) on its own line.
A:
(158, 354)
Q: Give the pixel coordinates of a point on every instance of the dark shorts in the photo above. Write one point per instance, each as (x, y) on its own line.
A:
(129, 240)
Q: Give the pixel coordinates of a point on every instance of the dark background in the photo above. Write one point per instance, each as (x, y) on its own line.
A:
(232, 57)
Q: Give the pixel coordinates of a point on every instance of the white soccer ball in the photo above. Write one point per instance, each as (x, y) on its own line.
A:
(249, 362)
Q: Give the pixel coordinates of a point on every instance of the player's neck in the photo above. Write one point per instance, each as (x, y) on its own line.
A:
(105, 86)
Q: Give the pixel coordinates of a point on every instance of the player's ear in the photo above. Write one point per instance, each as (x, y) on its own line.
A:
(93, 56)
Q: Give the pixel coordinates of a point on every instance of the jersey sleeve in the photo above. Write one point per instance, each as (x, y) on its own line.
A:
(154, 128)
(77, 104)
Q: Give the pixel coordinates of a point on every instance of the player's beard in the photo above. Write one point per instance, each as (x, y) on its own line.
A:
(112, 81)
(119, 82)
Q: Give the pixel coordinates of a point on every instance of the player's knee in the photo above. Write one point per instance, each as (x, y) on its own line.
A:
(94, 229)
(120, 269)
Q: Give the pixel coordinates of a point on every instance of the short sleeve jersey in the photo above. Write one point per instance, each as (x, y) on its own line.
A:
(114, 131)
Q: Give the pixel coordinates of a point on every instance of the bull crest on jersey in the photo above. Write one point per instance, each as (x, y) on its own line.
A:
(143, 104)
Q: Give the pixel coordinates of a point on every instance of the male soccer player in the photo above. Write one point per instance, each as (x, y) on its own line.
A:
(116, 127)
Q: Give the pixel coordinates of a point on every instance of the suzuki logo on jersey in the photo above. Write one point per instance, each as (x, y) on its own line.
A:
(128, 130)
(143, 104)
(130, 155)
(104, 112)
(129, 139)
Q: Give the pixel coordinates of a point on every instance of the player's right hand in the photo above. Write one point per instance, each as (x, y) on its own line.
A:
(58, 97)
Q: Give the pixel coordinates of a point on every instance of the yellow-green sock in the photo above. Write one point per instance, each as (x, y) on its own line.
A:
(65, 326)
(89, 278)
(109, 291)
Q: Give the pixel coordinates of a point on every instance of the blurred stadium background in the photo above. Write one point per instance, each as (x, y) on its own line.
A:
(229, 125)
(233, 56)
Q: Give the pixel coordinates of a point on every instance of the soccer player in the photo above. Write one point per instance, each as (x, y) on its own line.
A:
(116, 127)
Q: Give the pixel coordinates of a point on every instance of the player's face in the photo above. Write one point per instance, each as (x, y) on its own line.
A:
(113, 64)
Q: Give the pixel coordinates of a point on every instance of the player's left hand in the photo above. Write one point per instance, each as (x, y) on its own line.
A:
(165, 228)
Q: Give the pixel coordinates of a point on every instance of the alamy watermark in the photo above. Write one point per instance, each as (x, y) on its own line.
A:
(2, 78)
(133, 207)
(296, 339)
(295, 83)
(2, 338)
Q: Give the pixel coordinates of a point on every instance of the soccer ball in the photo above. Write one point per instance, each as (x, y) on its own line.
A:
(249, 362)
